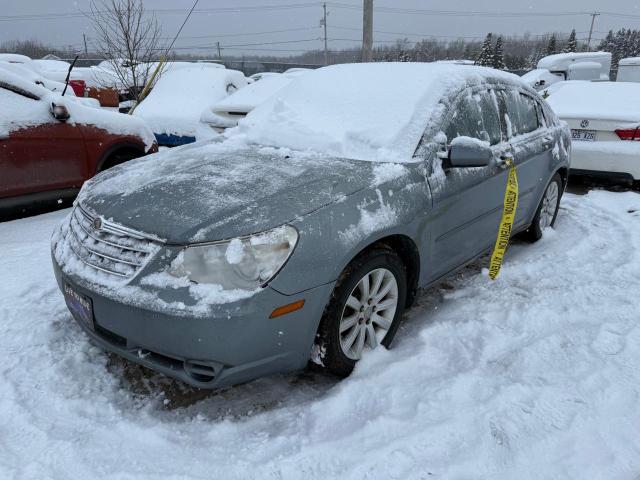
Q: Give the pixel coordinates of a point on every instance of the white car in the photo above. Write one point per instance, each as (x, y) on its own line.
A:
(604, 118)
(227, 112)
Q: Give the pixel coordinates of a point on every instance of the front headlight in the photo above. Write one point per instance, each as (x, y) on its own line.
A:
(241, 263)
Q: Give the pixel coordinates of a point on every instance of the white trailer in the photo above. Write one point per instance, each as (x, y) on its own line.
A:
(629, 70)
(594, 66)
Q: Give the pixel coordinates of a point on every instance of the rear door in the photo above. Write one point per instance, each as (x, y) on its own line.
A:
(467, 202)
(37, 152)
(531, 145)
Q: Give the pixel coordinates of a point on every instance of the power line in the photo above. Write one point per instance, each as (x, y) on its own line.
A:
(181, 27)
(166, 11)
(249, 34)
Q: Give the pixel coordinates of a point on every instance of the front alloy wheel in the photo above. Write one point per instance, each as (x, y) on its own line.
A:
(364, 310)
(369, 312)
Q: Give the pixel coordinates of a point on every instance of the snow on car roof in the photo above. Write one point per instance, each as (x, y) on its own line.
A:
(374, 111)
(19, 111)
(176, 102)
(597, 100)
(14, 58)
(249, 97)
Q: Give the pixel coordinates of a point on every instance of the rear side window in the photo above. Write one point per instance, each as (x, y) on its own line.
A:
(521, 114)
(476, 115)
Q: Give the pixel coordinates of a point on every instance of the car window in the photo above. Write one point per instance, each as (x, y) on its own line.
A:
(475, 115)
(18, 90)
(521, 114)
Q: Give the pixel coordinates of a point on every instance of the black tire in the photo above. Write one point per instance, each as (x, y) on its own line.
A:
(119, 158)
(534, 232)
(328, 337)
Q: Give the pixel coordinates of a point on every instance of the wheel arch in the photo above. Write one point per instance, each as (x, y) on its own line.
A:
(106, 160)
(409, 254)
(564, 174)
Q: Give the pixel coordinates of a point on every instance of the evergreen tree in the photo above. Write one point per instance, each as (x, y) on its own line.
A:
(485, 58)
(552, 46)
(572, 44)
(468, 52)
(497, 60)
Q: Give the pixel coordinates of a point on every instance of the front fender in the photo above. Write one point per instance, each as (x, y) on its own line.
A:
(333, 235)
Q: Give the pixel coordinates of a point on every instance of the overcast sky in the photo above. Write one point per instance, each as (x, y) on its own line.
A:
(301, 20)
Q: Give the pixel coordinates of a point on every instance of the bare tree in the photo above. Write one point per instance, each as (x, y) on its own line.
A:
(129, 39)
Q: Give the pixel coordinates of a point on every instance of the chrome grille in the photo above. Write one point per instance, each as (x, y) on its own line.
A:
(108, 247)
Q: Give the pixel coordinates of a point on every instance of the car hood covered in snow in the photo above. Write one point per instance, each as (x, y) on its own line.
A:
(213, 191)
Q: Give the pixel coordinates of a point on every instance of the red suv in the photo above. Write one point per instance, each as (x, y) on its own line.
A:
(49, 144)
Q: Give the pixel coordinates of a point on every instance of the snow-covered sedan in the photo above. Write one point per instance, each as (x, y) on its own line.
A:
(306, 233)
(49, 144)
(604, 118)
(174, 107)
(227, 112)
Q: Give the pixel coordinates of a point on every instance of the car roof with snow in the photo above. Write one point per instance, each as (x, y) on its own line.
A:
(19, 112)
(597, 100)
(374, 111)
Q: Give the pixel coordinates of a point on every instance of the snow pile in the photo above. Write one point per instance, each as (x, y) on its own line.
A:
(618, 101)
(374, 111)
(19, 111)
(534, 376)
(176, 102)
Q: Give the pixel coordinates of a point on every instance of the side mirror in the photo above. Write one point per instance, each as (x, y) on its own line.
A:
(60, 112)
(468, 152)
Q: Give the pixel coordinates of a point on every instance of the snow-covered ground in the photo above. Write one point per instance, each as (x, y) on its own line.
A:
(534, 376)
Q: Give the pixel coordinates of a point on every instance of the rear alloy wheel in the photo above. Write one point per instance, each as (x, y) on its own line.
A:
(547, 212)
(364, 311)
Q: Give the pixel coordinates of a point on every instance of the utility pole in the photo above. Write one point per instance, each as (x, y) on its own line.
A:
(219, 54)
(593, 21)
(323, 22)
(86, 50)
(367, 31)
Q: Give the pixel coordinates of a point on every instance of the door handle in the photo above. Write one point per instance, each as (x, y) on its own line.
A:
(547, 142)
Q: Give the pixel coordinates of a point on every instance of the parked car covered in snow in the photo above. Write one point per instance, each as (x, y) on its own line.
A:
(49, 144)
(604, 118)
(174, 107)
(306, 233)
(227, 112)
(23, 71)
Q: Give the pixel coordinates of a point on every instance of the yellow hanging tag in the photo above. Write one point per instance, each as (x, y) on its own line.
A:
(508, 217)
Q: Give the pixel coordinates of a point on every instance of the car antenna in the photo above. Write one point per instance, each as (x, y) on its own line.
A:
(66, 81)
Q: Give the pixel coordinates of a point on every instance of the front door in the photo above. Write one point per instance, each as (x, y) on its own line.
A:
(467, 202)
(37, 152)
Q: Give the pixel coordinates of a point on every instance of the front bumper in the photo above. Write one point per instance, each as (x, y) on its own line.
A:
(238, 342)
